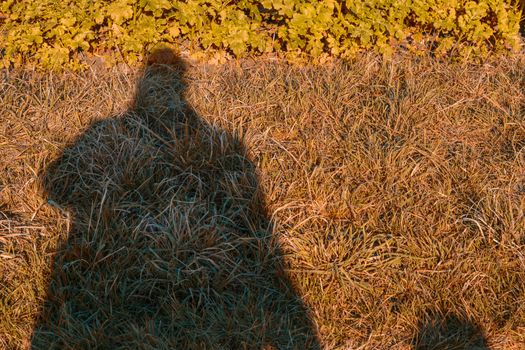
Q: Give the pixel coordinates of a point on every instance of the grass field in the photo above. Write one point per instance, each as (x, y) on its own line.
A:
(262, 206)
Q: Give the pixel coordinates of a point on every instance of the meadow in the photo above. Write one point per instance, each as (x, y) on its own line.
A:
(372, 204)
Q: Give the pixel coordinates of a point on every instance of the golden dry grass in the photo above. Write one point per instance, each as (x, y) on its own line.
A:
(384, 201)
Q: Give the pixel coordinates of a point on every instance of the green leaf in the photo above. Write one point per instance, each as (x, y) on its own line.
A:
(120, 11)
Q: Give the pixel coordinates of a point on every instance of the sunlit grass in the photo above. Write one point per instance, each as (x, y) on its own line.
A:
(395, 191)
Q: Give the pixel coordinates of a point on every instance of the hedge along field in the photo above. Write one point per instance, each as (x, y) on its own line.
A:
(56, 34)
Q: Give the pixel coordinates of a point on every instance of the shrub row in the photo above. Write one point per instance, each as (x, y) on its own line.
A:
(54, 33)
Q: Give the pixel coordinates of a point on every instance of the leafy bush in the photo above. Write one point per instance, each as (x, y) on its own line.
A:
(53, 33)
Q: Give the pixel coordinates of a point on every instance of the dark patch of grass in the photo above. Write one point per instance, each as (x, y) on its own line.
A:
(170, 244)
(449, 332)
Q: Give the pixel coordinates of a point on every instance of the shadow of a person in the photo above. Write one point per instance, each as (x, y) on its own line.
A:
(450, 332)
(170, 245)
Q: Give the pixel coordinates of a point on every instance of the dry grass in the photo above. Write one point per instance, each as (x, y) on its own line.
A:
(380, 206)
